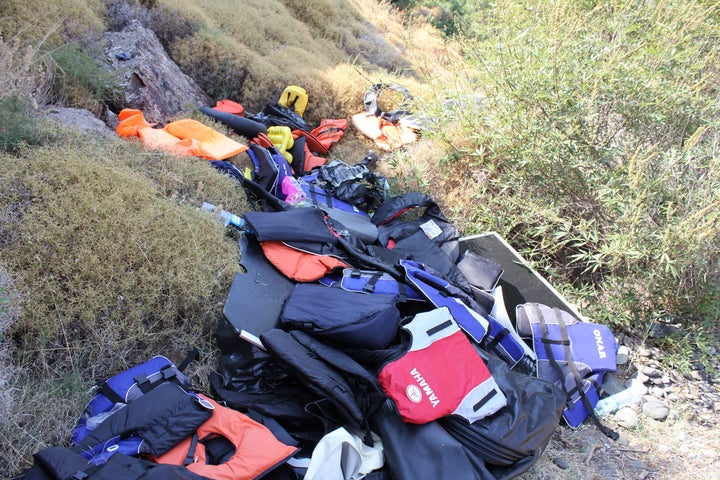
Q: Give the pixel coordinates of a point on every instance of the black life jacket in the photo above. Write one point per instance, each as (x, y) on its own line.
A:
(430, 239)
(60, 463)
(162, 418)
(347, 392)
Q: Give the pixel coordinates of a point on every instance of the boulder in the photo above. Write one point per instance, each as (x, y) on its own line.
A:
(78, 119)
(150, 80)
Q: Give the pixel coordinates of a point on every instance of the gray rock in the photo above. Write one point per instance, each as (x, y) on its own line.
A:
(657, 392)
(626, 417)
(150, 80)
(561, 463)
(656, 409)
(622, 355)
(78, 119)
(641, 377)
(672, 397)
(658, 382)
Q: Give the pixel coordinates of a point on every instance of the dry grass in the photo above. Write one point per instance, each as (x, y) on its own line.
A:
(331, 50)
(23, 71)
(678, 448)
(53, 21)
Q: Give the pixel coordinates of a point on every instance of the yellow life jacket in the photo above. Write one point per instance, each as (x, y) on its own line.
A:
(295, 98)
(281, 137)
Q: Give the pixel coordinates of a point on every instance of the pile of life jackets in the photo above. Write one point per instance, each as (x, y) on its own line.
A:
(361, 341)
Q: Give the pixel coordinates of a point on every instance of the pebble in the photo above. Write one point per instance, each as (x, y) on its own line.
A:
(626, 417)
(676, 376)
(657, 392)
(656, 409)
(622, 355)
(650, 371)
(561, 463)
(658, 382)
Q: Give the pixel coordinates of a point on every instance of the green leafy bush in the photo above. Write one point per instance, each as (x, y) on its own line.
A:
(80, 76)
(19, 125)
(595, 128)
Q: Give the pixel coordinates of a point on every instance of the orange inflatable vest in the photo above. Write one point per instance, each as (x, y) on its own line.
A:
(257, 451)
(298, 265)
(182, 137)
(229, 106)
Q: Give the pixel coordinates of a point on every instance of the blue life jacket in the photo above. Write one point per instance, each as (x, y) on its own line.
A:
(571, 353)
(372, 281)
(115, 394)
(473, 318)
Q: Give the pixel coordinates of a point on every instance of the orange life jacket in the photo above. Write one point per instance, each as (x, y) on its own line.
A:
(298, 265)
(387, 136)
(257, 451)
(228, 106)
(182, 137)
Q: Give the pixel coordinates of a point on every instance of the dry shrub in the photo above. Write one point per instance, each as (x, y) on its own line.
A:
(9, 315)
(113, 262)
(119, 268)
(252, 57)
(23, 71)
(168, 25)
(51, 22)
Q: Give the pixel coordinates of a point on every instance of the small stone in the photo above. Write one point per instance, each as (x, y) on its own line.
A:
(657, 410)
(637, 385)
(561, 463)
(650, 371)
(705, 387)
(672, 397)
(626, 417)
(622, 355)
(696, 375)
(657, 392)
(641, 377)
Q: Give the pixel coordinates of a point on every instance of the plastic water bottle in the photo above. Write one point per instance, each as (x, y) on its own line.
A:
(630, 396)
(294, 194)
(227, 217)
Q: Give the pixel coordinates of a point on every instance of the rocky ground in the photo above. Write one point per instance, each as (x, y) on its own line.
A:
(671, 434)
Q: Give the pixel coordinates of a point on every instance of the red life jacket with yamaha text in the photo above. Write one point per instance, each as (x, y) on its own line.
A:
(441, 373)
